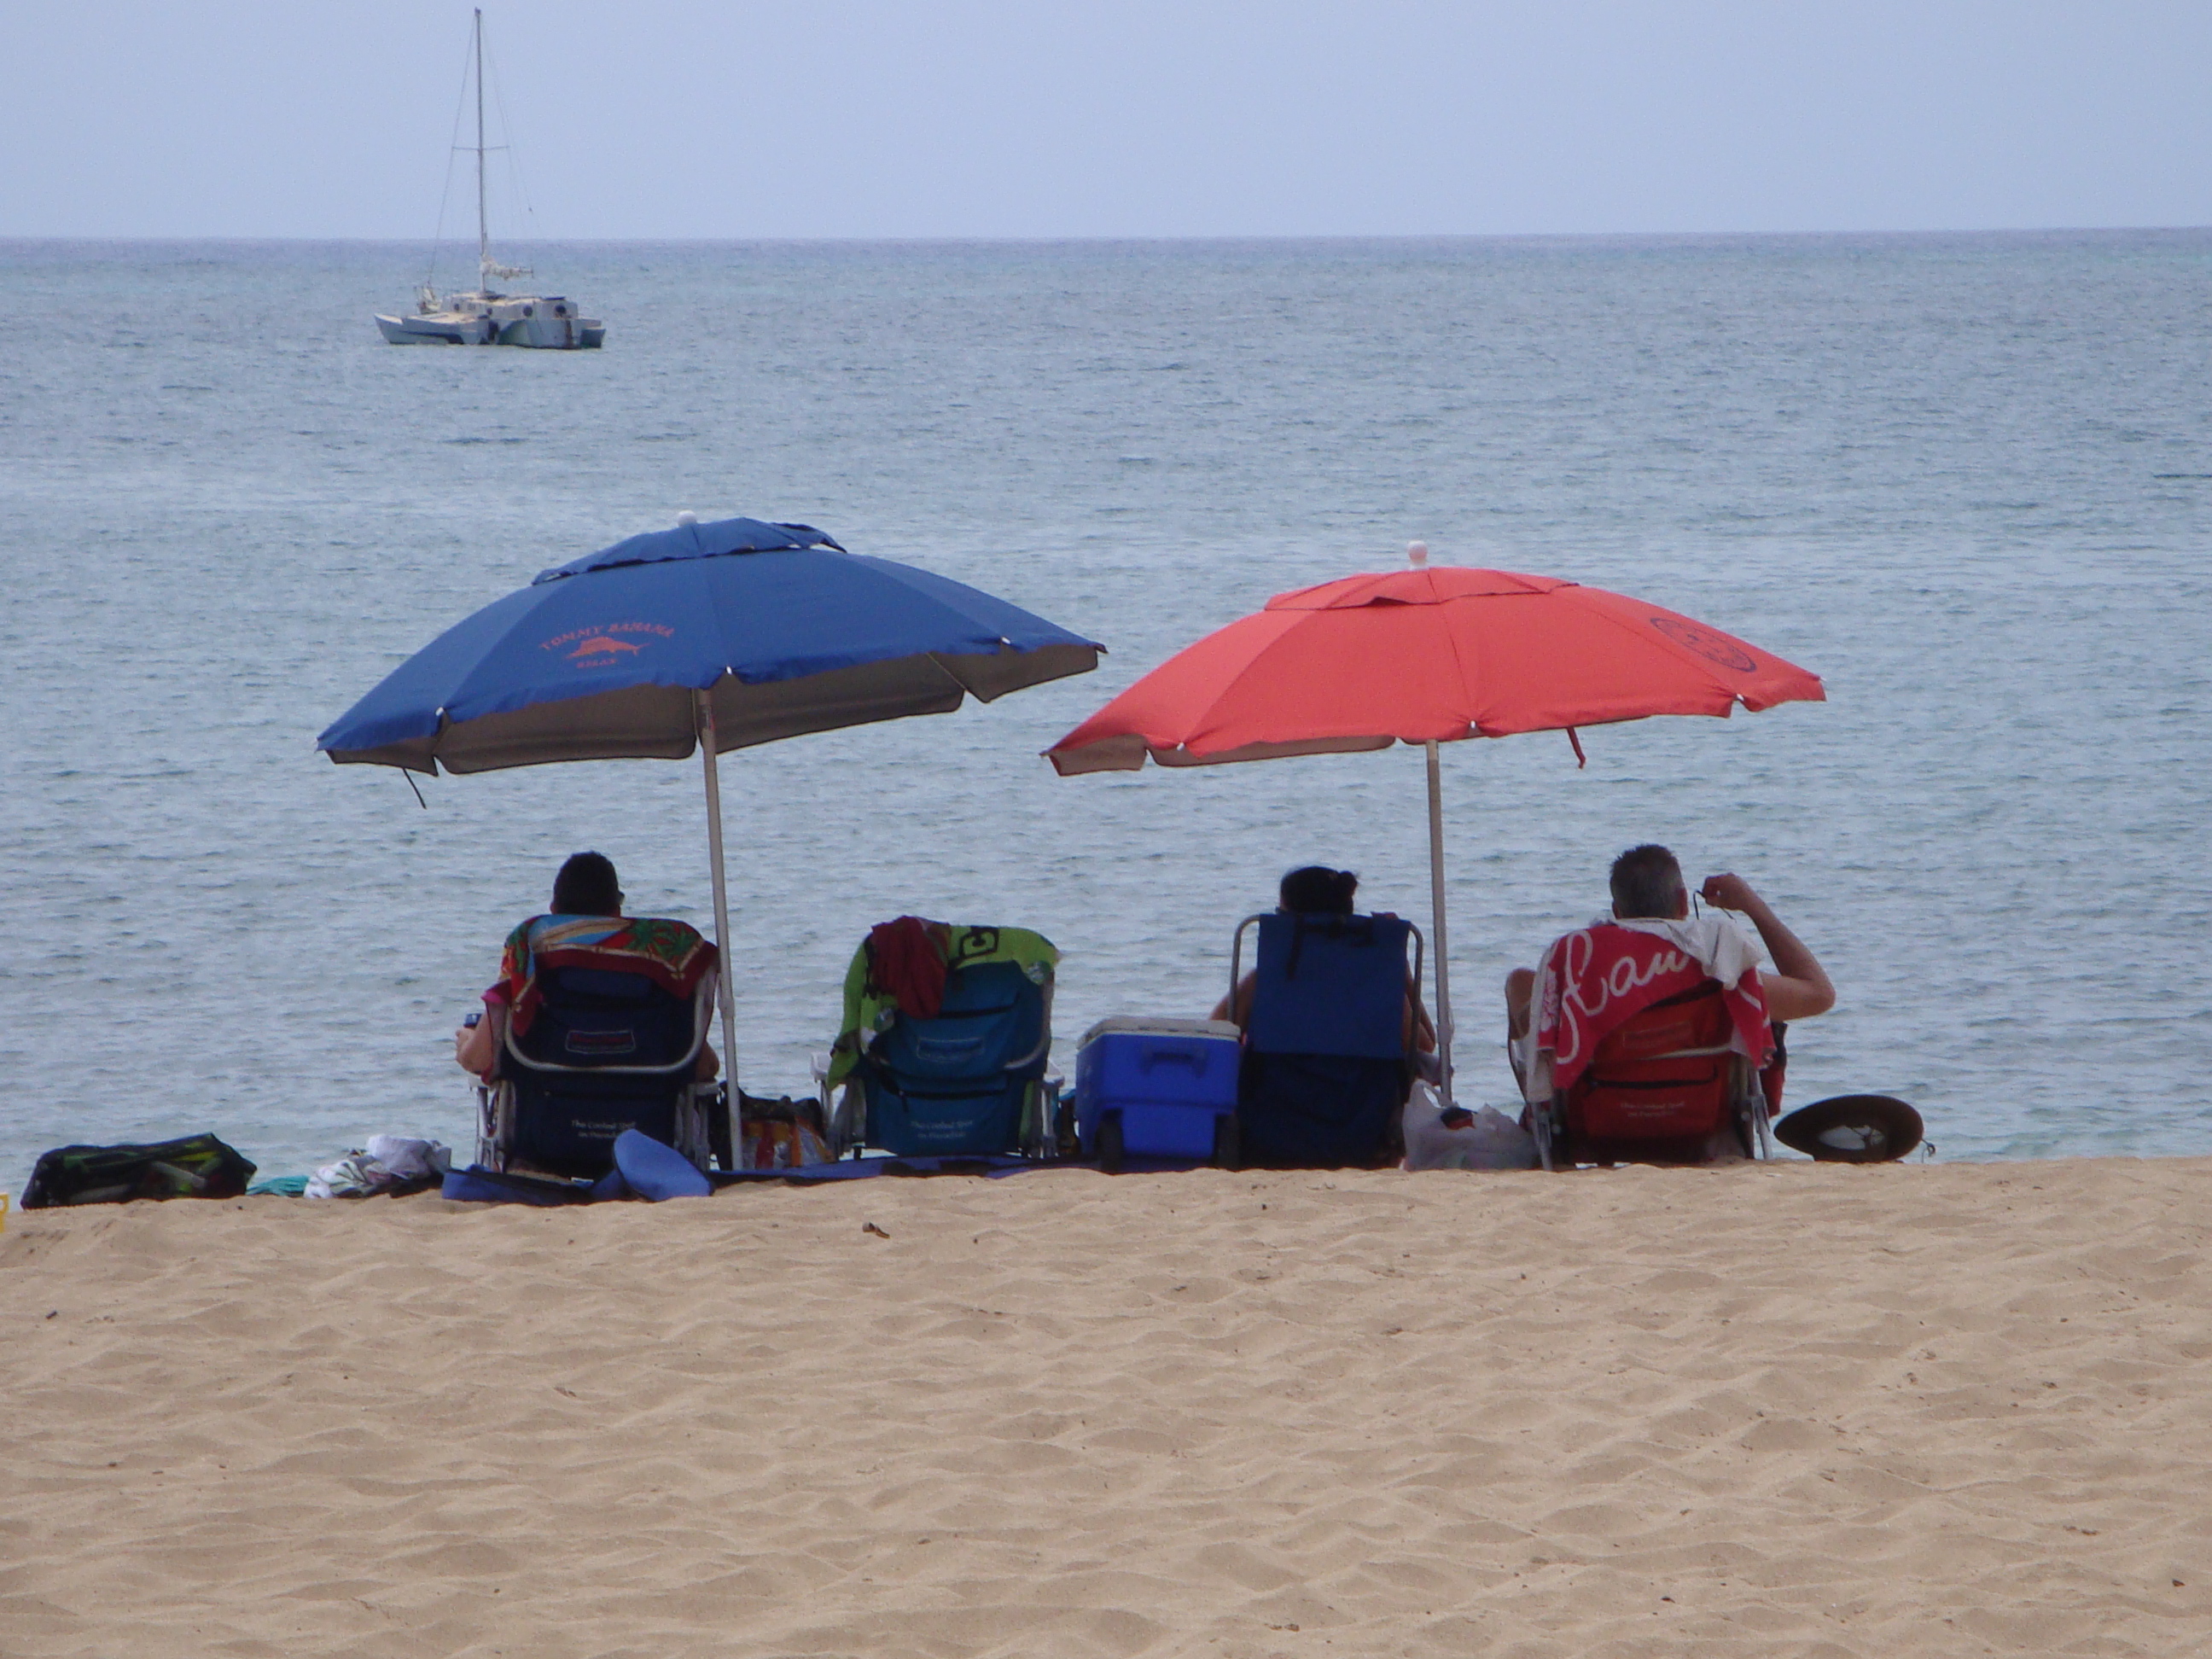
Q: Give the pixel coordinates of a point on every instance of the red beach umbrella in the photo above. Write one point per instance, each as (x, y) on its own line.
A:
(1429, 654)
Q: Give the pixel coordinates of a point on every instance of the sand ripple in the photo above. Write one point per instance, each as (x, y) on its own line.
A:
(1793, 1411)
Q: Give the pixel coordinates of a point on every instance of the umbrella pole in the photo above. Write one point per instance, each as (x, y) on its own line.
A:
(704, 704)
(1437, 906)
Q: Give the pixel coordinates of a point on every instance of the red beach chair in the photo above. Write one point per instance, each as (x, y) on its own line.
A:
(1651, 1058)
(1663, 1087)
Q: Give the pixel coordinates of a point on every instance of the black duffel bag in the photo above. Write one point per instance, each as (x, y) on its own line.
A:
(197, 1166)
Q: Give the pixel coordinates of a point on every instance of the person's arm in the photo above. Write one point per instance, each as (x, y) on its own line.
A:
(1421, 1031)
(1240, 1008)
(1798, 988)
(476, 1047)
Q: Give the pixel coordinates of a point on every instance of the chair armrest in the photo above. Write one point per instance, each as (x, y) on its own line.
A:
(1044, 1033)
(1236, 957)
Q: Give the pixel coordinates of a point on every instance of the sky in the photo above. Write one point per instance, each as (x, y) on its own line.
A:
(814, 118)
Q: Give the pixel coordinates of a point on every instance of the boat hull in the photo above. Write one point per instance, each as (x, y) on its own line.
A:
(435, 330)
(547, 333)
(542, 324)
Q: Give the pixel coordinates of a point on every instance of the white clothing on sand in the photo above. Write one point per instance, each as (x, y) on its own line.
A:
(388, 1161)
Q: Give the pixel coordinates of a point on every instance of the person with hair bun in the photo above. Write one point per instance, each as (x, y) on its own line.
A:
(1316, 889)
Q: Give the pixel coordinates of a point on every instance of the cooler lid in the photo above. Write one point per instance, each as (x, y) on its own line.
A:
(1159, 1025)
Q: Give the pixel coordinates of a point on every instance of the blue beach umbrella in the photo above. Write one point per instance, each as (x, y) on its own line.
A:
(709, 636)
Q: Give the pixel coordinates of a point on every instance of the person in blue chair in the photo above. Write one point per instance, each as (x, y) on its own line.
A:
(1316, 889)
(1333, 1031)
(588, 912)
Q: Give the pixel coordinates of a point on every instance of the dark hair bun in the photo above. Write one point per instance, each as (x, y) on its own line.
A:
(1316, 889)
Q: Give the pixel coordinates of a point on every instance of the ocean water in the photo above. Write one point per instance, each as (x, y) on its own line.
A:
(1967, 479)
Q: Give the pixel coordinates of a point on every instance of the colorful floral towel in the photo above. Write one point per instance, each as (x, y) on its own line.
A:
(672, 954)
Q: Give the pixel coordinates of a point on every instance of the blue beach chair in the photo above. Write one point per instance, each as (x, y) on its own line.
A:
(968, 1080)
(607, 1051)
(1325, 1069)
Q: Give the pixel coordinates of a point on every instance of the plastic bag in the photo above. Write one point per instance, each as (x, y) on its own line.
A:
(783, 1134)
(773, 1146)
(1485, 1139)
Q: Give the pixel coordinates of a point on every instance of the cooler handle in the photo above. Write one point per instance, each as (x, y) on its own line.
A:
(1189, 1054)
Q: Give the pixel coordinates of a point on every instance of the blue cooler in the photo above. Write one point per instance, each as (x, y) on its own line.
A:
(1158, 1088)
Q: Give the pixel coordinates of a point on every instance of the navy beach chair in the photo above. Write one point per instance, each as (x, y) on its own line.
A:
(1326, 1069)
(607, 1051)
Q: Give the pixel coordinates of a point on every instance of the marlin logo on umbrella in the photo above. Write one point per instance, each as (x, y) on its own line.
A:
(604, 650)
(600, 647)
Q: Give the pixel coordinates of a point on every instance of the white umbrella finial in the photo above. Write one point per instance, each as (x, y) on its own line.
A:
(1416, 553)
(685, 520)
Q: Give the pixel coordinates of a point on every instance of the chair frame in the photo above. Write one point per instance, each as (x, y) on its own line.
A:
(695, 1109)
(1747, 1100)
(1236, 955)
(846, 1118)
(1410, 1056)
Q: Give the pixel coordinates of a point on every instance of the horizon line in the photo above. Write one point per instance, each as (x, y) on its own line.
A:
(948, 240)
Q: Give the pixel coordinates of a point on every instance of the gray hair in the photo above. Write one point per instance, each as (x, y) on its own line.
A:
(1647, 882)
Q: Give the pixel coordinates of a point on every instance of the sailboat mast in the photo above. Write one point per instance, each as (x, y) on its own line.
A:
(483, 232)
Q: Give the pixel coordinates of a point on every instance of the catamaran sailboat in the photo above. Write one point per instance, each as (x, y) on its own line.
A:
(487, 317)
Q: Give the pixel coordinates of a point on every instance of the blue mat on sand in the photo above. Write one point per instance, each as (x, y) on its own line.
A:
(994, 1167)
(656, 1170)
(860, 1169)
(645, 1168)
(477, 1185)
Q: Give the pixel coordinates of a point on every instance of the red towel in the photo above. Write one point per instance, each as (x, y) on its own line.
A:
(1594, 979)
(905, 963)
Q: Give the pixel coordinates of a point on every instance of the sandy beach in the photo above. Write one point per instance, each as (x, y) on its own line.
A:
(1799, 1410)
